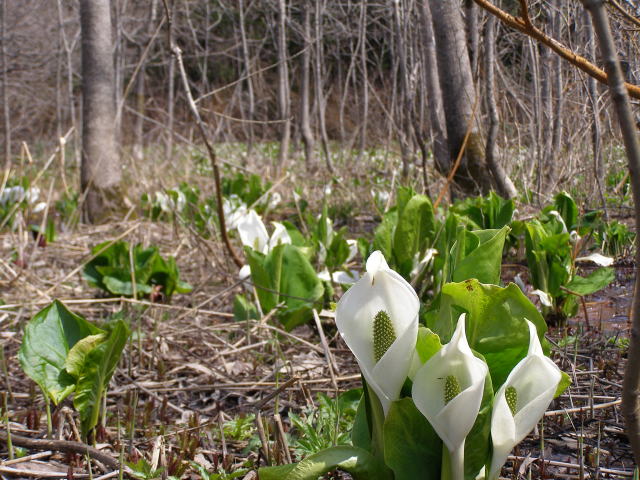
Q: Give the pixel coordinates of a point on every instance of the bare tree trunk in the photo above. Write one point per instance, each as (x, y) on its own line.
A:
(596, 134)
(68, 49)
(100, 173)
(545, 120)
(171, 95)
(246, 58)
(138, 143)
(620, 99)
(362, 41)
(473, 33)
(503, 183)
(284, 100)
(322, 104)
(5, 95)
(459, 97)
(404, 105)
(305, 125)
(118, 71)
(558, 90)
(434, 95)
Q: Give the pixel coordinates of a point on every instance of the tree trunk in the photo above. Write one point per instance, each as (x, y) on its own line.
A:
(305, 125)
(284, 100)
(362, 42)
(504, 185)
(322, 104)
(100, 173)
(434, 95)
(246, 58)
(5, 76)
(459, 97)
(596, 134)
(620, 100)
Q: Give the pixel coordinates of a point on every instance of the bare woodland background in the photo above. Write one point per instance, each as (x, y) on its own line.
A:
(356, 75)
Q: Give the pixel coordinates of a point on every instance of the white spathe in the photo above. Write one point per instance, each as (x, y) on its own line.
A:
(253, 233)
(280, 236)
(452, 421)
(598, 259)
(535, 379)
(545, 298)
(380, 288)
(340, 276)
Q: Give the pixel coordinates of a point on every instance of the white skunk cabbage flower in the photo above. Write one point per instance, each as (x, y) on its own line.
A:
(558, 217)
(18, 194)
(234, 209)
(378, 319)
(252, 232)
(522, 400)
(353, 249)
(545, 298)
(345, 278)
(448, 390)
(280, 236)
(598, 259)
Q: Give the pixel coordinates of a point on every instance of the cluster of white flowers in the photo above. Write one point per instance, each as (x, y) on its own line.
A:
(378, 319)
(17, 194)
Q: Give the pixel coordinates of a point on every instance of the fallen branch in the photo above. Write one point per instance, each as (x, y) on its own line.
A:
(525, 26)
(62, 446)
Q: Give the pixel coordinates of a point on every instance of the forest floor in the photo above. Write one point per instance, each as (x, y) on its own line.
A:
(194, 384)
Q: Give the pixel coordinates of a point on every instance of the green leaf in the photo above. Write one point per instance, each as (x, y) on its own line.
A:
(299, 286)
(48, 338)
(355, 461)
(78, 353)
(566, 206)
(96, 371)
(565, 381)
(596, 281)
(383, 234)
(428, 344)
(496, 326)
(243, 309)
(412, 449)
(360, 433)
(415, 228)
(285, 275)
(261, 278)
(110, 270)
(484, 261)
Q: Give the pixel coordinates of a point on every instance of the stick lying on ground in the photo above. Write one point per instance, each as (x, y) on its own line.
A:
(62, 446)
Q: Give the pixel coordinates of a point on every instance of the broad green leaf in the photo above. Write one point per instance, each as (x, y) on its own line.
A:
(285, 276)
(415, 228)
(120, 287)
(48, 337)
(483, 262)
(297, 238)
(78, 353)
(596, 281)
(566, 206)
(355, 461)
(243, 309)
(383, 234)
(265, 287)
(428, 344)
(299, 286)
(110, 270)
(565, 381)
(96, 372)
(496, 326)
(412, 449)
(360, 433)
